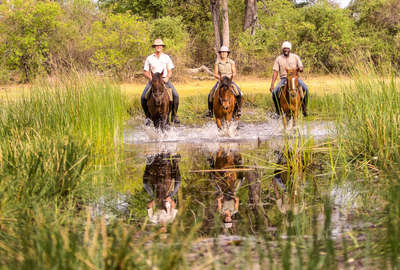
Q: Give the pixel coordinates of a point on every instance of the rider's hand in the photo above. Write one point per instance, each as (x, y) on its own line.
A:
(271, 89)
(150, 204)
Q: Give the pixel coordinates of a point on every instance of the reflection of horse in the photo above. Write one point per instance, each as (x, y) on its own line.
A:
(224, 102)
(227, 181)
(290, 97)
(158, 102)
(161, 180)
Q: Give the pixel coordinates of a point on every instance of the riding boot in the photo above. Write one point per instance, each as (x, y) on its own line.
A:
(304, 108)
(304, 102)
(275, 99)
(174, 115)
(239, 102)
(210, 109)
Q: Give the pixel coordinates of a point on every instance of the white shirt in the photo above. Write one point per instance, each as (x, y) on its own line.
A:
(161, 64)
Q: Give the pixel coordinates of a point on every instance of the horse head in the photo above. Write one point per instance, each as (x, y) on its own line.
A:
(293, 82)
(158, 88)
(225, 92)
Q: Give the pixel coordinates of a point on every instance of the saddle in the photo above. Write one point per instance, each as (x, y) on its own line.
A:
(169, 91)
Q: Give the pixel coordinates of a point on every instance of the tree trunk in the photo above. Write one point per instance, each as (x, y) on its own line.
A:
(225, 23)
(250, 15)
(214, 7)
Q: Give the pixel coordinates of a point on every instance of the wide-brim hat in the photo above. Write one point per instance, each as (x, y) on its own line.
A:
(224, 49)
(158, 42)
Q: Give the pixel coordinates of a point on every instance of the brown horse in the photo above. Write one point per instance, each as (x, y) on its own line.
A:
(290, 97)
(224, 102)
(158, 102)
(228, 180)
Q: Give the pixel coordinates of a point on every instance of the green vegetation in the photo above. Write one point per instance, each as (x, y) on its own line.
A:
(114, 37)
(63, 170)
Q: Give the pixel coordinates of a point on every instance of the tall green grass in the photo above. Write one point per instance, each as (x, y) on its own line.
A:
(369, 121)
(55, 142)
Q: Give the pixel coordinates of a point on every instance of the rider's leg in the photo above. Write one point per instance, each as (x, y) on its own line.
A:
(304, 102)
(143, 100)
(175, 98)
(211, 100)
(239, 100)
(275, 97)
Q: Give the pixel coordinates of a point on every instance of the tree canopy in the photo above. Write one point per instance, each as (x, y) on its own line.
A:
(114, 37)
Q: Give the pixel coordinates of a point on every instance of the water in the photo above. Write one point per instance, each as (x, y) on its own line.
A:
(255, 157)
(252, 184)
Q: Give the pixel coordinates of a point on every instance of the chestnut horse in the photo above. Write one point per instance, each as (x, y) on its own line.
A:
(228, 180)
(224, 102)
(290, 97)
(158, 102)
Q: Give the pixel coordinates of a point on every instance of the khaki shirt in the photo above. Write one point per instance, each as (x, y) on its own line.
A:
(225, 68)
(291, 62)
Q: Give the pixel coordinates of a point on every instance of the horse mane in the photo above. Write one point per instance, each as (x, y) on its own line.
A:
(157, 80)
(225, 82)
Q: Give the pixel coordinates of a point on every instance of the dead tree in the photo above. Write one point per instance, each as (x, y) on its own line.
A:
(250, 15)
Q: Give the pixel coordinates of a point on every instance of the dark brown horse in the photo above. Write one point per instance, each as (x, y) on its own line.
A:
(161, 178)
(224, 102)
(290, 97)
(158, 102)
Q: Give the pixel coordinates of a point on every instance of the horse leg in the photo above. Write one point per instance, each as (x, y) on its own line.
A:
(219, 123)
(284, 120)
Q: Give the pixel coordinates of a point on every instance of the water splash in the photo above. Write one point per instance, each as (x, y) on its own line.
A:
(139, 134)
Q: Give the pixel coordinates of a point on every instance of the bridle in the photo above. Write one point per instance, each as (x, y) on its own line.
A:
(219, 93)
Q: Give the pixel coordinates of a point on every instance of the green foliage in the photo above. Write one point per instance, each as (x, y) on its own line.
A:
(172, 32)
(378, 22)
(324, 36)
(29, 31)
(119, 43)
(149, 9)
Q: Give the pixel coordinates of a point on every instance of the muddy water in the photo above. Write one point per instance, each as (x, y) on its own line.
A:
(239, 182)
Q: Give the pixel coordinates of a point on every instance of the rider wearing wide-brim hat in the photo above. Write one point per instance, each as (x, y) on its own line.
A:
(162, 63)
(224, 66)
(287, 60)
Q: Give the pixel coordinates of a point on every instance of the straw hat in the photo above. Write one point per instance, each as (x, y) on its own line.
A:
(158, 42)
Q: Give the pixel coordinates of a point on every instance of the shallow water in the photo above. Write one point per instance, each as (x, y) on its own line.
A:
(249, 164)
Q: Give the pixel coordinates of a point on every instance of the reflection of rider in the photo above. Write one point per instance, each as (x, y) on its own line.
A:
(227, 183)
(162, 63)
(228, 206)
(161, 180)
(224, 66)
(287, 60)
